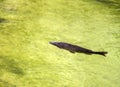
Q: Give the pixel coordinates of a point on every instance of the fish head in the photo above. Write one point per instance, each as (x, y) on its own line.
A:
(58, 44)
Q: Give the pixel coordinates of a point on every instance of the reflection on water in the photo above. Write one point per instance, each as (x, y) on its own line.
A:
(10, 65)
(111, 4)
(5, 84)
(108, 2)
(2, 20)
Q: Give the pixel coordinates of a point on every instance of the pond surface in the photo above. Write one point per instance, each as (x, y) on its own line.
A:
(28, 60)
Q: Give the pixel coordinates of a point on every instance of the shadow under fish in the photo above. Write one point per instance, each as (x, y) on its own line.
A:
(75, 48)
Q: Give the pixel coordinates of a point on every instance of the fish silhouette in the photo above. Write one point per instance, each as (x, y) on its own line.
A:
(75, 48)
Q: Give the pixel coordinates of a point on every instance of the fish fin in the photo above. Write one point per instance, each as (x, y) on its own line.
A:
(72, 51)
(101, 53)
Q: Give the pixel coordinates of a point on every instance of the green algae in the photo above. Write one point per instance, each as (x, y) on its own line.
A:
(27, 59)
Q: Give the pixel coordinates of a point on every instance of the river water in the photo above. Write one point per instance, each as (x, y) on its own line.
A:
(28, 60)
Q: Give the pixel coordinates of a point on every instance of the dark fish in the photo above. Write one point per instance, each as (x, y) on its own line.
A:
(75, 48)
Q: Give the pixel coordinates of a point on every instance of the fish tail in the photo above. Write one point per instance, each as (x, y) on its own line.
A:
(101, 53)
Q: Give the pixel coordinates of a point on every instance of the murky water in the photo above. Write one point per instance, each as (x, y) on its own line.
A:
(28, 60)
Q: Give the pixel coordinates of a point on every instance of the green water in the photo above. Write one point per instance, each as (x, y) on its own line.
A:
(28, 60)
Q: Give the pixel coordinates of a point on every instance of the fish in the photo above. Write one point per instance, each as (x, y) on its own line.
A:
(76, 49)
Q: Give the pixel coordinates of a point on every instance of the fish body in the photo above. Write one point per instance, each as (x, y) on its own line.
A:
(75, 48)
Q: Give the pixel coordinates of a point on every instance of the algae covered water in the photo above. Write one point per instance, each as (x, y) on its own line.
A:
(28, 60)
